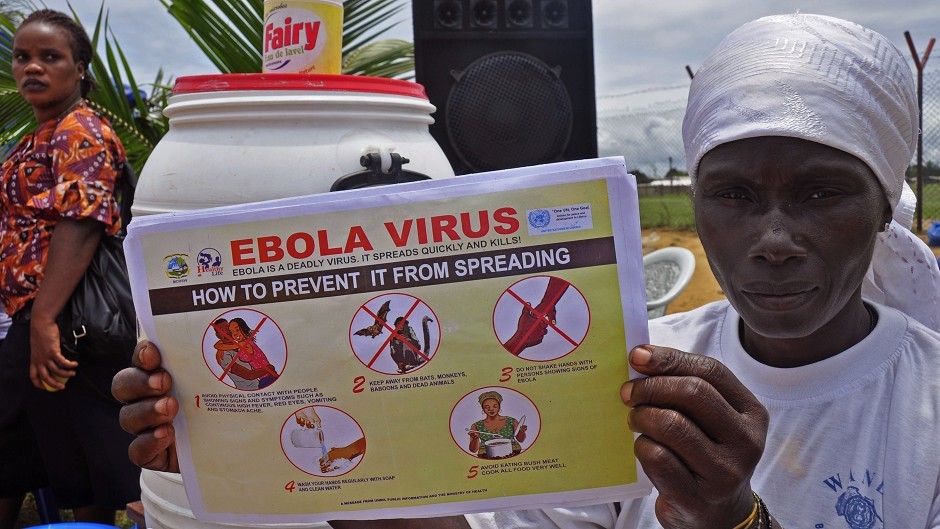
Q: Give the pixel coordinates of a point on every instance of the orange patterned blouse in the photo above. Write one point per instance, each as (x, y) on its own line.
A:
(65, 170)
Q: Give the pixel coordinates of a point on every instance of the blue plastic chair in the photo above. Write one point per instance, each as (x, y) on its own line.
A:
(74, 525)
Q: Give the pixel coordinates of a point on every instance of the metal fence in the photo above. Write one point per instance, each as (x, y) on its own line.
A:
(645, 127)
(930, 201)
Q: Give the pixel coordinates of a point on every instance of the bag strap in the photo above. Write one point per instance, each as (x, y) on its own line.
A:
(127, 186)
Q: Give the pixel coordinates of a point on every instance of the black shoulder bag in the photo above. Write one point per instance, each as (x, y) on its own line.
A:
(99, 318)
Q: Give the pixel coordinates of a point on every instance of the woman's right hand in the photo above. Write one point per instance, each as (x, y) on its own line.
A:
(702, 434)
(148, 410)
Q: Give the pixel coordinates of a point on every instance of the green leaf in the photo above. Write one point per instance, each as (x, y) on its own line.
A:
(229, 32)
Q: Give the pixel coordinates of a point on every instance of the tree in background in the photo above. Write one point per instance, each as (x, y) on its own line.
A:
(136, 117)
(229, 32)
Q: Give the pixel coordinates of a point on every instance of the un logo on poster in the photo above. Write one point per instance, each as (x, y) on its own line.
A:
(539, 218)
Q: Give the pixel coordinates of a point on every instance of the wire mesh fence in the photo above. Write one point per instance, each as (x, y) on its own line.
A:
(645, 127)
(930, 200)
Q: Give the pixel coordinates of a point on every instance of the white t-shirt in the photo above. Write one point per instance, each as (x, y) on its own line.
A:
(853, 442)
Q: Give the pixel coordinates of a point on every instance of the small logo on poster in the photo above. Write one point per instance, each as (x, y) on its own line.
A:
(176, 267)
(209, 261)
(539, 218)
(560, 218)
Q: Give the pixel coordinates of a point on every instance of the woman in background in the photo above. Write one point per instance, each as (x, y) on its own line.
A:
(811, 397)
(57, 194)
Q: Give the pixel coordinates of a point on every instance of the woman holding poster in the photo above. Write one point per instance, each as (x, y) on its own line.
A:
(811, 397)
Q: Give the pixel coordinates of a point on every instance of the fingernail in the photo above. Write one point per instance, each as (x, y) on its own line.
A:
(626, 393)
(160, 432)
(155, 381)
(640, 356)
(161, 406)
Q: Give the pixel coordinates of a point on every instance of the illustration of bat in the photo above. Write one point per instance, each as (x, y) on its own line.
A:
(376, 328)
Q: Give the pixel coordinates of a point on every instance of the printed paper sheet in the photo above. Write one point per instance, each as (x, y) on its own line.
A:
(434, 348)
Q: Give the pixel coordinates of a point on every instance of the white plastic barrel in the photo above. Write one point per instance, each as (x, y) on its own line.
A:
(237, 138)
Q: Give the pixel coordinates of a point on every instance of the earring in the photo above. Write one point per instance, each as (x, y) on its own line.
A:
(885, 227)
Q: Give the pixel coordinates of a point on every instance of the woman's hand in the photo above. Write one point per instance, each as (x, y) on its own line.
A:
(703, 433)
(71, 248)
(148, 411)
(48, 368)
(520, 433)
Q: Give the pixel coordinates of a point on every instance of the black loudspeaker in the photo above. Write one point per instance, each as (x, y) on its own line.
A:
(512, 80)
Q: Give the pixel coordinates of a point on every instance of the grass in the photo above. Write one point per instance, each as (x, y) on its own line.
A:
(931, 204)
(675, 210)
(667, 211)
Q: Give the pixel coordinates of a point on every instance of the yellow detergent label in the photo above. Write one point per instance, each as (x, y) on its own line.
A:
(303, 37)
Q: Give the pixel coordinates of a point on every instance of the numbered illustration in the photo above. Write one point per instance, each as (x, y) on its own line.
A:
(395, 334)
(323, 441)
(541, 318)
(245, 349)
(495, 423)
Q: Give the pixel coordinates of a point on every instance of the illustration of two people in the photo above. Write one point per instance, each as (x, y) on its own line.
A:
(495, 427)
(240, 356)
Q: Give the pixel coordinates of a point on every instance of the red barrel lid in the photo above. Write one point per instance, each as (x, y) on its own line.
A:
(228, 82)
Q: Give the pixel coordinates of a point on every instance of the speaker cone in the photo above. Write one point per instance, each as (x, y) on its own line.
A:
(508, 109)
(483, 13)
(448, 14)
(519, 13)
(555, 14)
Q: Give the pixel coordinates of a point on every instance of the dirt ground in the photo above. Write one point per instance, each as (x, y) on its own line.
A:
(703, 288)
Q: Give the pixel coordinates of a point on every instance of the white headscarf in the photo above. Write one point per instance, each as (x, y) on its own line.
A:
(836, 83)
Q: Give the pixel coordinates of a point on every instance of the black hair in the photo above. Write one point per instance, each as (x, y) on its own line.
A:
(82, 50)
(243, 325)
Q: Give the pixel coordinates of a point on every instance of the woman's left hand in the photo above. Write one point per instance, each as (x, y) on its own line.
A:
(71, 248)
(48, 368)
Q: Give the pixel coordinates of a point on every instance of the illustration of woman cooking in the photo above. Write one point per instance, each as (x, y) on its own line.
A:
(238, 337)
(495, 427)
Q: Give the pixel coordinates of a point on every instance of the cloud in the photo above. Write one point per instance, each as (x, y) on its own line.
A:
(638, 45)
(149, 36)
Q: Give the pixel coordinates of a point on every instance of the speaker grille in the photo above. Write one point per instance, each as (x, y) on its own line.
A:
(508, 110)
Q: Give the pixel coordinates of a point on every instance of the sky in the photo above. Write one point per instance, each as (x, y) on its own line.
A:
(641, 47)
(637, 43)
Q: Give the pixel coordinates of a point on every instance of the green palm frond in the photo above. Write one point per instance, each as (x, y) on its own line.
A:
(140, 126)
(366, 20)
(230, 32)
(16, 116)
(227, 31)
(382, 58)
